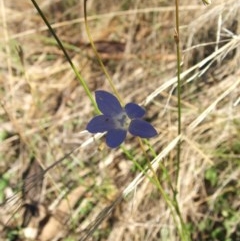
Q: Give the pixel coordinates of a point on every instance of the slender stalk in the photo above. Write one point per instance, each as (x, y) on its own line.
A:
(177, 40)
(184, 231)
(80, 78)
(172, 204)
(143, 170)
(97, 54)
(148, 161)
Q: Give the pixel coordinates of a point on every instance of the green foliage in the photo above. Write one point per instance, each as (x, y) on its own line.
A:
(69, 239)
(223, 221)
(211, 176)
(4, 182)
(12, 235)
(86, 208)
(142, 162)
(3, 135)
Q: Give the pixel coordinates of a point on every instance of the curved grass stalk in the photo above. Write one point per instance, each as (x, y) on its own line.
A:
(98, 56)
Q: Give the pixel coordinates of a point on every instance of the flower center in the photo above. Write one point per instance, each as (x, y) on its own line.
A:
(122, 121)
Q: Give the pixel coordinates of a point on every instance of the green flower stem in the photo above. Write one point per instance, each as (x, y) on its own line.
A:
(143, 170)
(98, 56)
(177, 40)
(80, 78)
(183, 229)
(172, 204)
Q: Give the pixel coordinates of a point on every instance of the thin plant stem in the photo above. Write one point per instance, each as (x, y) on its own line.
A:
(172, 204)
(184, 231)
(142, 169)
(177, 40)
(80, 78)
(148, 161)
(97, 54)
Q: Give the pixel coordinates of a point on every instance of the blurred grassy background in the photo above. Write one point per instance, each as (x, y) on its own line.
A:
(44, 112)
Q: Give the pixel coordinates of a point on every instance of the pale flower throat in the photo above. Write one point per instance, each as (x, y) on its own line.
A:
(122, 121)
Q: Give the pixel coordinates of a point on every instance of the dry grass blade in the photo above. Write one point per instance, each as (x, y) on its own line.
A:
(234, 43)
(206, 112)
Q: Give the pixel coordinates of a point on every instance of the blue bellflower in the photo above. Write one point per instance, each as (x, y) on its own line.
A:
(116, 120)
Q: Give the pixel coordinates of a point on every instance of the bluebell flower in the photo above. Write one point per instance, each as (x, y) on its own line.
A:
(116, 120)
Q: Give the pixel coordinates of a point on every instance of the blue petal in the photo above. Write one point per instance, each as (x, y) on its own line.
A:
(107, 103)
(142, 129)
(134, 111)
(100, 123)
(115, 137)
